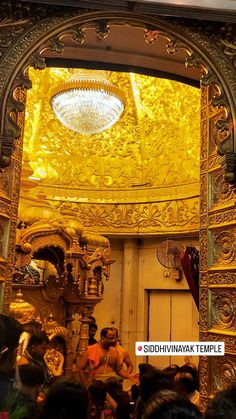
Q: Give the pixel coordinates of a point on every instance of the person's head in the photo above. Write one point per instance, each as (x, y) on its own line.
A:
(33, 327)
(167, 404)
(184, 383)
(66, 399)
(108, 337)
(10, 331)
(223, 406)
(144, 368)
(153, 381)
(31, 379)
(92, 330)
(97, 392)
(190, 368)
(171, 371)
(38, 344)
(113, 385)
(125, 406)
(173, 368)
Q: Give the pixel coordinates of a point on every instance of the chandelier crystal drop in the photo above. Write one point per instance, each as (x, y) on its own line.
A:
(87, 103)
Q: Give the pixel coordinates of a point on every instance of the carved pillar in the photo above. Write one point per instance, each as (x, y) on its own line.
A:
(86, 270)
(129, 295)
(85, 311)
(9, 199)
(218, 256)
(69, 352)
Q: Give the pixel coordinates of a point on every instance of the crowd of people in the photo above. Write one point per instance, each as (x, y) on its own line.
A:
(29, 391)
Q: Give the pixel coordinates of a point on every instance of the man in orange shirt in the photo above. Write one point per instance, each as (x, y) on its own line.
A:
(102, 359)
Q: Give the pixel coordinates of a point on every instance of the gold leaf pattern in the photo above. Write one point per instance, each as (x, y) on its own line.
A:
(154, 146)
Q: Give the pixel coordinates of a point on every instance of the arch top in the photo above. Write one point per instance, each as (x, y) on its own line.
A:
(42, 34)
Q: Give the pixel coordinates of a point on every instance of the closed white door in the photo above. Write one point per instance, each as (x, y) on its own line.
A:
(173, 317)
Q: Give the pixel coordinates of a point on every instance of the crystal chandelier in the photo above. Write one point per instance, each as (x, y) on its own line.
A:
(87, 103)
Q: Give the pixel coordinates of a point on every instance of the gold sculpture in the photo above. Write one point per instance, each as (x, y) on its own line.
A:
(54, 360)
(21, 310)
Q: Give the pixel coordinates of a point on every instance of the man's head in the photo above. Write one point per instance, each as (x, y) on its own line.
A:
(66, 399)
(108, 337)
(92, 319)
(38, 344)
(92, 330)
(184, 383)
(167, 404)
(223, 406)
(33, 327)
(31, 379)
(10, 331)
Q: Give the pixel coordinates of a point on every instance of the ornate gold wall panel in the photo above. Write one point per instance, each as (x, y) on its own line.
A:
(223, 315)
(228, 277)
(129, 162)
(9, 200)
(218, 261)
(224, 372)
(222, 192)
(222, 252)
(156, 218)
(43, 306)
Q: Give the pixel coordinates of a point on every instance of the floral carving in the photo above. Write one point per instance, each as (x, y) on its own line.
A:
(223, 309)
(223, 216)
(204, 138)
(222, 278)
(222, 191)
(203, 376)
(203, 311)
(203, 193)
(223, 248)
(230, 342)
(140, 217)
(203, 249)
(224, 372)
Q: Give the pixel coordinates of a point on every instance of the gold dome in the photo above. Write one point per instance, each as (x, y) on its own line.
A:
(36, 209)
(21, 310)
(52, 328)
(95, 239)
(26, 247)
(72, 224)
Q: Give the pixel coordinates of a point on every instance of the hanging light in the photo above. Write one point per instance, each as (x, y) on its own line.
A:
(87, 103)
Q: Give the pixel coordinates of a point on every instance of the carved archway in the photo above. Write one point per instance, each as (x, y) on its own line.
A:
(27, 31)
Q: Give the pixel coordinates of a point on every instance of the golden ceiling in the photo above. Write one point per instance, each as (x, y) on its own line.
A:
(151, 154)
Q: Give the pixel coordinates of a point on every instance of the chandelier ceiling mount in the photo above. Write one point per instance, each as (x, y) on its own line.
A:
(87, 103)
